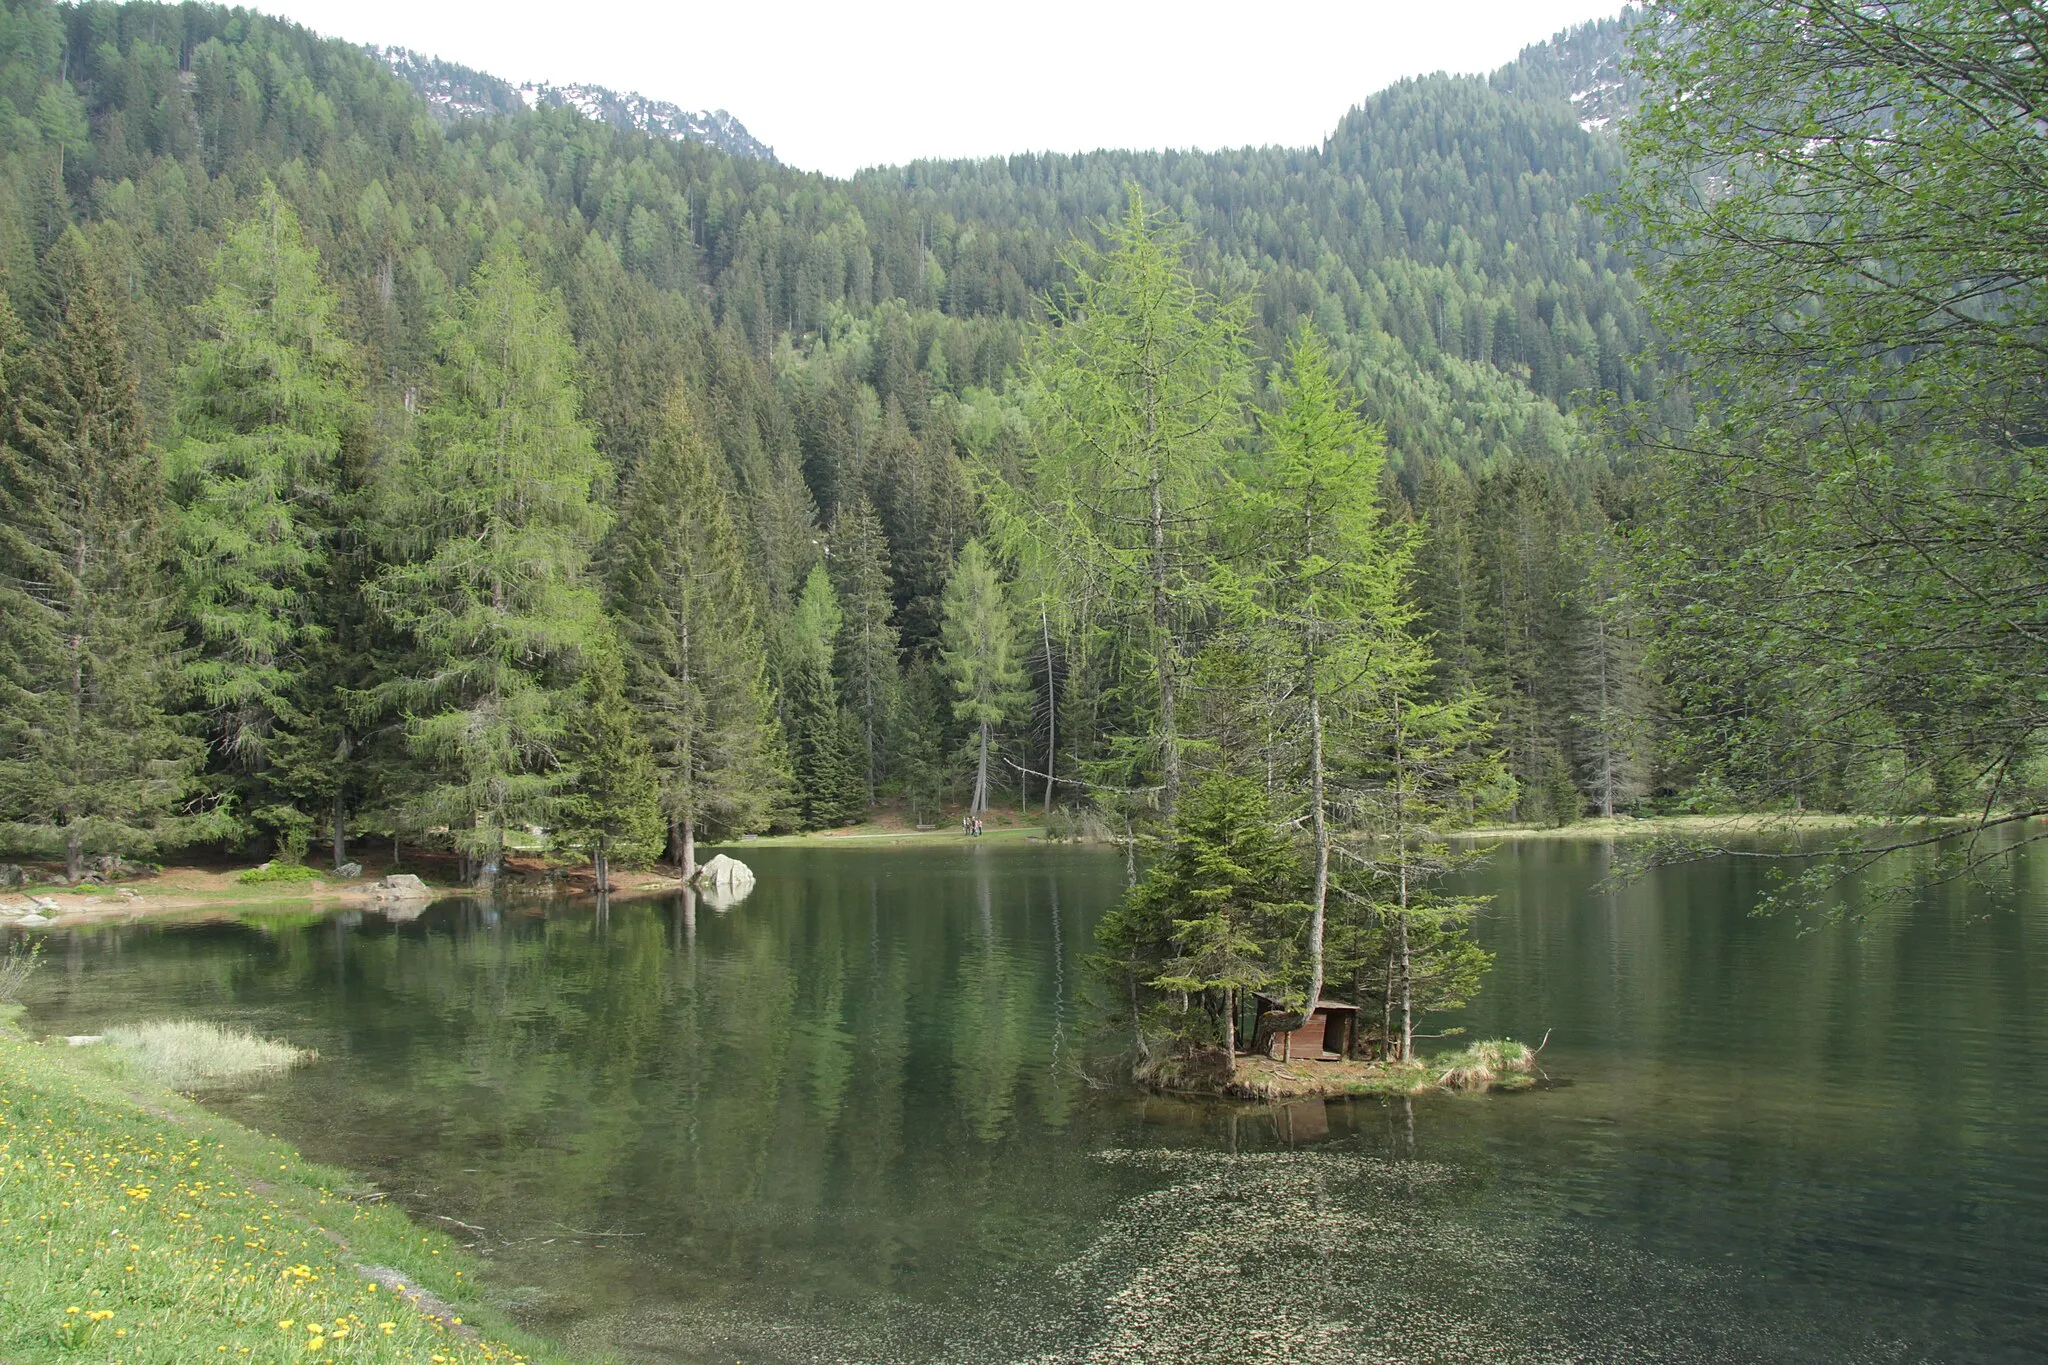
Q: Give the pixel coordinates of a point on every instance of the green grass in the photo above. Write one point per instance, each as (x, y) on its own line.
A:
(185, 1054)
(277, 872)
(136, 1227)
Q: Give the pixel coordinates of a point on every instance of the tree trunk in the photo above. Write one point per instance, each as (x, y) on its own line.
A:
(74, 852)
(980, 801)
(1401, 853)
(1320, 825)
(1229, 1031)
(1052, 706)
(689, 862)
(340, 832)
(1606, 734)
(1162, 625)
(1407, 981)
(601, 863)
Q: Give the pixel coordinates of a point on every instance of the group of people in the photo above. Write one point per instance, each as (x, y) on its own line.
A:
(970, 825)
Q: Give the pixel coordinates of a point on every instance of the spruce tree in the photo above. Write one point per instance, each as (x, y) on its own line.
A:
(981, 653)
(869, 672)
(265, 403)
(613, 806)
(90, 763)
(827, 759)
(695, 660)
(495, 518)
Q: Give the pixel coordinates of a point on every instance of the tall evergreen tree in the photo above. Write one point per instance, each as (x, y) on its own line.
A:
(265, 405)
(90, 763)
(1143, 373)
(869, 670)
(696, 664)
(982, 654)
(495, 512)
(826, 751)
(1322, 596)
(613, 806)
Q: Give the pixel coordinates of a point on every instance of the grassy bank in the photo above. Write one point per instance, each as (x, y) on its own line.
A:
(137, 1227)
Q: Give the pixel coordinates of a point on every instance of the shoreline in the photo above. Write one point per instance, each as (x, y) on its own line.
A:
(144, 1204)
(200, 892)
(1654, 826)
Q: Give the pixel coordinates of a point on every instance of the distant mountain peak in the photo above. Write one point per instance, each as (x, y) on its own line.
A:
(456, 92)
(659, 117)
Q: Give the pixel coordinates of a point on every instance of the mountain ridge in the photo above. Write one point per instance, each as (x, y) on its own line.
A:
(454, 91)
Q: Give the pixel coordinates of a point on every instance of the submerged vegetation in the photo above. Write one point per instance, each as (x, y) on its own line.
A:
(186, 1054)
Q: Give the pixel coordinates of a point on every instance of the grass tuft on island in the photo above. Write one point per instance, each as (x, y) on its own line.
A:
(1494, 1064)
(136, 1226)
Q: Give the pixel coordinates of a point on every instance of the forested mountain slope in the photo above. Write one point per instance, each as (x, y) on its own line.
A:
(838, 347)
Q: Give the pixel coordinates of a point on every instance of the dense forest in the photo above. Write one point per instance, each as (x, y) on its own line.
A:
(707, 435)
(369, 472)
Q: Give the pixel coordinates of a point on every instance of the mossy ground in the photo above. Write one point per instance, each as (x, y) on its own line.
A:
(137, 1227)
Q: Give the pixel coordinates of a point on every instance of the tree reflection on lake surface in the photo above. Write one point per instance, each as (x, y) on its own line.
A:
(845, 1119)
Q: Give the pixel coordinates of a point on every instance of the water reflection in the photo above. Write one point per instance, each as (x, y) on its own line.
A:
(845, 1120)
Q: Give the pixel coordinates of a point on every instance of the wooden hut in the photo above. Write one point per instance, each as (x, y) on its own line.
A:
(1330, 1032)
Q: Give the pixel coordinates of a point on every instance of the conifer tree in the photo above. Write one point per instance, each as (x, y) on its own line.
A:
(868, 645)
(1321, 595)
(90, 763)
(265, 404)
(496, 521)
(613, 807)
(1203, 926)
(981, 653)
(1143, 374)
(695, 659)
(827, 759)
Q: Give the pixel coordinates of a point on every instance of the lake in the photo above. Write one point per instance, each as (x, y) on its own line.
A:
(852, 1119)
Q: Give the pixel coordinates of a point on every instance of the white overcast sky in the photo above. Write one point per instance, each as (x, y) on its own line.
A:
(834, 87)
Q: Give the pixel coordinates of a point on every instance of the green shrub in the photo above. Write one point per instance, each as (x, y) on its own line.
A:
(277, 872)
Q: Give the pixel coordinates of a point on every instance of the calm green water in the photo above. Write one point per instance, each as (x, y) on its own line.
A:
(846, 1121)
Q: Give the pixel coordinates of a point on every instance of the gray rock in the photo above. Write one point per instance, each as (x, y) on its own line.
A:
(403, 886)
(726, 872)
(32, 921)
(349, 871)
(83, 1039)
(10, 874)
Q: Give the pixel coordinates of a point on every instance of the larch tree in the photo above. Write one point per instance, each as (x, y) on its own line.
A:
(1319, 591)
(266, 402)
(1839, 208)
(495, 516)
(90, 761)
(981, 652)
(695, 659)
(1142, 374)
